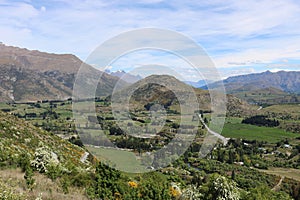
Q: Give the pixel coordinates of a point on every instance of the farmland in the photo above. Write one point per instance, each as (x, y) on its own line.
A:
(272, 150)
(234, 129)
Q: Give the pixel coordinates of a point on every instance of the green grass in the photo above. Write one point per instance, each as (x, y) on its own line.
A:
(120, 159)
(234, 129)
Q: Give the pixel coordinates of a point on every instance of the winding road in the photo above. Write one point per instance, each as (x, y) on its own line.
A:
(218, 135)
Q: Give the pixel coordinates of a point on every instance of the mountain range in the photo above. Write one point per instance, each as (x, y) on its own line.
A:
(196, 84)
(129, 78)
(167, 91)
(27, 75)
(287, 81)
(33, 75)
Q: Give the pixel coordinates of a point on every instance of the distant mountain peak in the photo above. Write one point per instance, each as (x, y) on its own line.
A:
(268, 72)
(130, 78)
(287, 81)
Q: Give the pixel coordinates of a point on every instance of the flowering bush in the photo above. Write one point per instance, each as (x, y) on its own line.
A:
(175, 191)
(192, 192)
(225, 189)
(133, 184)
(43, 158)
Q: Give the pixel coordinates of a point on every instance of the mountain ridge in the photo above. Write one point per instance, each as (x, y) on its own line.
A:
(162, 88)
(129, 78)
(44, 76)
(287, 81)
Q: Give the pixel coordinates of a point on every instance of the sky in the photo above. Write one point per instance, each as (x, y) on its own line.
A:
(239, 36)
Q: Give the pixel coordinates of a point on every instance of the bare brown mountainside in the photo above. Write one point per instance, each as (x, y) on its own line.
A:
(33, 75)
(151, 90)
(38, 61)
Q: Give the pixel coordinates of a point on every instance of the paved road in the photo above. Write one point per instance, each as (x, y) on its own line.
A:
(218, 135)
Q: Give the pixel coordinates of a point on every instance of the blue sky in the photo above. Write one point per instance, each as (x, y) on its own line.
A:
(240, 36)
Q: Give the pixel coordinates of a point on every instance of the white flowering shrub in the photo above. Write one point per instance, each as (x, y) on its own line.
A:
(43, 158)
(224, 189)
(217, 188)
(192, 192)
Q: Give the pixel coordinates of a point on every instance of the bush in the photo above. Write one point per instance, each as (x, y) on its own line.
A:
(29, 177)
(43, 158)
(264, 193)
(219, 188)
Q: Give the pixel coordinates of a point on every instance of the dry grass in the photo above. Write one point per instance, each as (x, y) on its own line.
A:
(286, 172)
(44, 186)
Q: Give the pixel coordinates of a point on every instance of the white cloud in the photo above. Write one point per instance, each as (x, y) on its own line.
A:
(43, 8)
(278, 69)
(234, 33)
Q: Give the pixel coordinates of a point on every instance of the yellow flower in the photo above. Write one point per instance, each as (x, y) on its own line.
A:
(175, 192)
(132, 184)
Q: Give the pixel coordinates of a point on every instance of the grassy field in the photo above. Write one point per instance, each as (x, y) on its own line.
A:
(120, 159)
(286, 172)
(292, 110)
(284, 108)
(234, 129)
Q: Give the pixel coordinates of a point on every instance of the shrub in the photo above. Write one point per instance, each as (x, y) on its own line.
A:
(43, 158)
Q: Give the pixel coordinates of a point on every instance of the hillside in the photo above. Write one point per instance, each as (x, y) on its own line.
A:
(268, 96)
(19, 84)
(19, 137)
(32, 75)
(38, 61)
(286, 81)
(151, 90)
(47, 160)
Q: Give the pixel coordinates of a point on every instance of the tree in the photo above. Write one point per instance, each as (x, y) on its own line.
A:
(264, 193)
(220, 188)
(233, 175)
(106, 182)
(29, 177)
(231, 157)
(205, 120)
(115, 130)
(154, 186)
(76, 141)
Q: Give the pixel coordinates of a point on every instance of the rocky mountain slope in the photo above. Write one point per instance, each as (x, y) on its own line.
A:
(283, 80)
(32, 75)
(130, 78)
